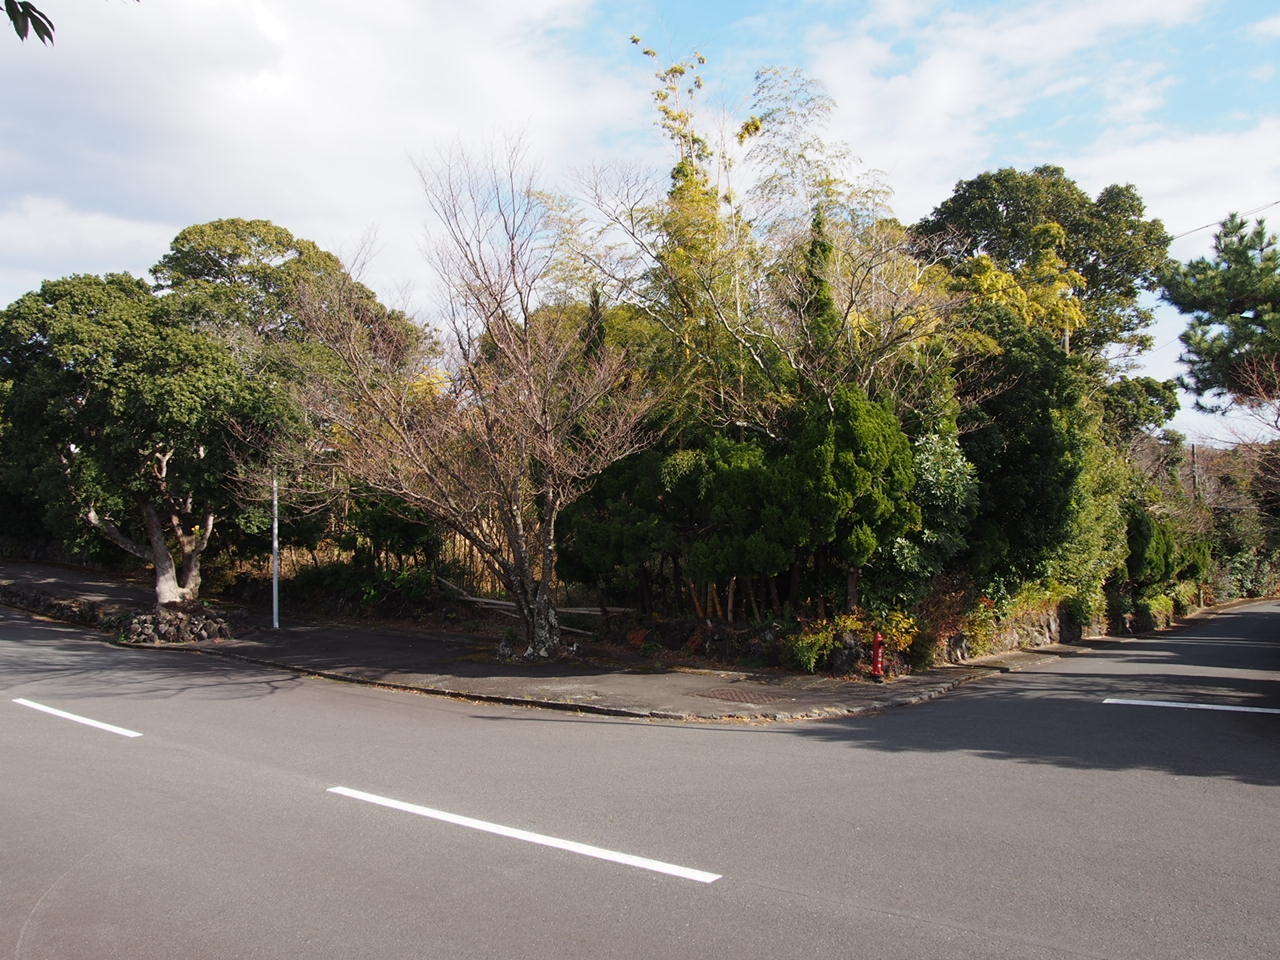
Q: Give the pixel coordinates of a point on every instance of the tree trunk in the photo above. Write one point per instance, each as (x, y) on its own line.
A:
(646, 591)
(534, 603)
(697, 604)
(167, 589)
(542, 626)
(751, 599)
(794, 586)
(189, 575)
(713, 601)
(853, 586)
(172, 585)
(773, 594)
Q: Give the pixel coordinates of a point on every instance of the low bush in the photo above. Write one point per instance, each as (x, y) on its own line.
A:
(844, 644)
(1153, 613)
(345, 589)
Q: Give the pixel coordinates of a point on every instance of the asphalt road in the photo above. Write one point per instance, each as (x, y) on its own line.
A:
(1023, 817)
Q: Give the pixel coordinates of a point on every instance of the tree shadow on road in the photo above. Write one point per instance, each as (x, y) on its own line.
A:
(1062, 720)
(75, 661)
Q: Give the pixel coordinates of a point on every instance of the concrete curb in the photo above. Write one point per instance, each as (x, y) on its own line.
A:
(920, 693)
(813, 698)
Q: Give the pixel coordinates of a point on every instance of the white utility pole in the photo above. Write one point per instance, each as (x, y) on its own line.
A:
(275, 553)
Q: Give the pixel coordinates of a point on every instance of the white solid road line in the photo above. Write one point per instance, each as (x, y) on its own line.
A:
(1190, 706)
(110, 728)
(687, 873)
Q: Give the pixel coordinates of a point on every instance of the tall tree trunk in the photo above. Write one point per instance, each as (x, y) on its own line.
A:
(819, 576)
(794, 587)
(697, 604)
(538, 611)
(646, 591)
(189, 579)
(168, 589)
(751, 599)
(544, 641)
(773, 594)
(713, 601)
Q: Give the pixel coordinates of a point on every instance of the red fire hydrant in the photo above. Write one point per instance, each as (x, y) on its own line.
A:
(877, 659)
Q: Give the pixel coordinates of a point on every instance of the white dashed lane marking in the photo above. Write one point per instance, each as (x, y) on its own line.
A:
(586, 850)
(98, 724)
(1190, 706)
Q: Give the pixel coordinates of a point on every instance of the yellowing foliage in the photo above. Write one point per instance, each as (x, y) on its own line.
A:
(812, 647)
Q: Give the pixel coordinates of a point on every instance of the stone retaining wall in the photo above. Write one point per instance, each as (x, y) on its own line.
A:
(170, 624)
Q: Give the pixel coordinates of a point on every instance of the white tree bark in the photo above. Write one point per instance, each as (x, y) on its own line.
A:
(174, 582)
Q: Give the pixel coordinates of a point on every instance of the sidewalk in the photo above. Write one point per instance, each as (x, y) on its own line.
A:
(465, 666)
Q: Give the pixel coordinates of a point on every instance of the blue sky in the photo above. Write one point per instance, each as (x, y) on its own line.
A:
(145, 118)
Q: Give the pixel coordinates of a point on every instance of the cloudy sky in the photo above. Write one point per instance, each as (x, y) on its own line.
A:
(147, 117)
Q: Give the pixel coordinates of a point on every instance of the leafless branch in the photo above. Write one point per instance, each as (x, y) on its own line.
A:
(524, 414)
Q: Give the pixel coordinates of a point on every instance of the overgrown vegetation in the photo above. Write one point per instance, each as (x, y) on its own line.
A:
(741, 402)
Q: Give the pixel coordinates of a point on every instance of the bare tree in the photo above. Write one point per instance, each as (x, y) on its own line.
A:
(506, 422)
(1257, 393)
(847, 302)
(829, 301)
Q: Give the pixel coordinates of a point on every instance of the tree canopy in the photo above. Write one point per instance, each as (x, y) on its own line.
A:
(124, 420)
(239, 277)
(737, 390)
(1232, 345)
(1111, 251)
(139, 411)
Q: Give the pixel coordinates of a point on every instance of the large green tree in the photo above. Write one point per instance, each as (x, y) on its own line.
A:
(781, 313)
(1113, 251)
(851, 471)
(1054, 278)
(1026, 429)
(239, 277)
(239, 281)
(1233, 341)
(121, 417)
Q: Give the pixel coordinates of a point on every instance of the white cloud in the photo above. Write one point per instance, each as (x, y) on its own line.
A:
(1132, 91)
(1189, 180)
(306, 112)
(898, 14)
(925, 100)
(42, 238)
(1267, 28)
(1066, 86)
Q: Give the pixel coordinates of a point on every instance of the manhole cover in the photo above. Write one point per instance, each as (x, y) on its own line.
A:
(741, 695)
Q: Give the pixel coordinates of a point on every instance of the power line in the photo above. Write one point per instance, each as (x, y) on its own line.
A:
(1209, 226)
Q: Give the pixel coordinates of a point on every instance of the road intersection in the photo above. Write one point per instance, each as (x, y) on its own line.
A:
(1021, 816)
